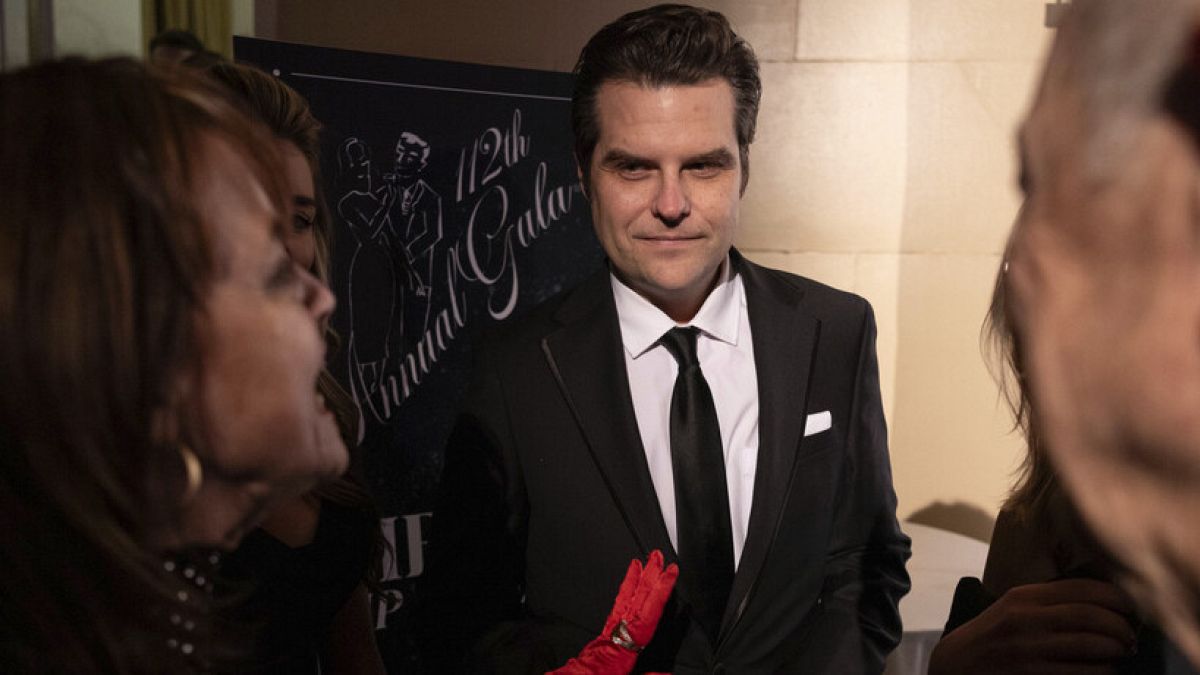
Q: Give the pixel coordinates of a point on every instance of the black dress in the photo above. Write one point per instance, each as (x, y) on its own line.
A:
(285, 598)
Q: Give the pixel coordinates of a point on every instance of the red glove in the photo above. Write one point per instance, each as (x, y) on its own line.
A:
(631, 624)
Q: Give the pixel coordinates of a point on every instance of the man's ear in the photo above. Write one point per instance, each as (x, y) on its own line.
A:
(743, 160)
(583, 187)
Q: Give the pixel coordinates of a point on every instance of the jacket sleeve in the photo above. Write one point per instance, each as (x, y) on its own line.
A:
(471, 592)
(857, 623)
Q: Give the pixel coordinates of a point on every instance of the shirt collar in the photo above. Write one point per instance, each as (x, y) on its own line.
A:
(642, 324)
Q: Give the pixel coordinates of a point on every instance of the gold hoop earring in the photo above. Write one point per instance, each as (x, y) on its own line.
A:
(195, 472)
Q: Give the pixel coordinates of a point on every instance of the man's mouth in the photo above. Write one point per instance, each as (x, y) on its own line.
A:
(669, 239)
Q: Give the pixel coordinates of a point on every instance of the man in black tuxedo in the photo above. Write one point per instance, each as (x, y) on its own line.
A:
(683, 399)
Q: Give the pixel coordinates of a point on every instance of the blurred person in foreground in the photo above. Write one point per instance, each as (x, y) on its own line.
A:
(1104, 274)
(308, 567)
(1046, 602)
(311, 564)
(158, 381)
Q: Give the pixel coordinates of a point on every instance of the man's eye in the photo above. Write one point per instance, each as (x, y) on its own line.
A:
(633, 171)
(705, 169)
(302, 222)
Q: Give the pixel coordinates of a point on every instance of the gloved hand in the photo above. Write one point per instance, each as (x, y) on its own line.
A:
(631, 624)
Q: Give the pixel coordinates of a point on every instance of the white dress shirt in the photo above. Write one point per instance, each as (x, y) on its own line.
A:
(726, 356)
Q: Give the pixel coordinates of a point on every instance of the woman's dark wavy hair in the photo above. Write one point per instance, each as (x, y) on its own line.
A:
(104, 265)
(662, 46)
(288, 116)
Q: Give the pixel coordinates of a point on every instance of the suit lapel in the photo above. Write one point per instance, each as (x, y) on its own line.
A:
(586, 356)
(785, 342)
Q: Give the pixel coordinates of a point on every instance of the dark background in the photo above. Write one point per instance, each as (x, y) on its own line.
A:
(461, 111)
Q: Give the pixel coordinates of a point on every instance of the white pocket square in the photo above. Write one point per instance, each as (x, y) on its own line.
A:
(818, 422)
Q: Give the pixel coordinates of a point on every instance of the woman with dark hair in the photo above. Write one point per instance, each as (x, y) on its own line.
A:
(310, 565)
(292, 560)
(158, 381)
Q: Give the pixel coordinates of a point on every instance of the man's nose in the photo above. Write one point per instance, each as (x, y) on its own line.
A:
(671, 204)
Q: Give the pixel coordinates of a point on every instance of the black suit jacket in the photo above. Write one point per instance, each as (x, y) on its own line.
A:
(546, 497)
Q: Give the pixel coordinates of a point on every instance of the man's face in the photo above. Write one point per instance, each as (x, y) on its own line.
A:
(665, 188)
(360, 164)
(410, 159)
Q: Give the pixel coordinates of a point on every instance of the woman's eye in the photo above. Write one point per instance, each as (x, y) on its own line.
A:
(302, 222)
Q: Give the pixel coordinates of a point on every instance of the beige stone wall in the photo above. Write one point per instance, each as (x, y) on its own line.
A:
(892, 173)
(91, 28)
(884, 165)
(97, 29)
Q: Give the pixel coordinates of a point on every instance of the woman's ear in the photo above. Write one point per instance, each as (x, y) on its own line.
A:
(176, 472)
(172, 470)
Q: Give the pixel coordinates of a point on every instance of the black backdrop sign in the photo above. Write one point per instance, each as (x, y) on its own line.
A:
(454, 202)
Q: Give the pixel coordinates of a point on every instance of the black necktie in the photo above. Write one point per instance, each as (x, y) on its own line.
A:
(701, 497)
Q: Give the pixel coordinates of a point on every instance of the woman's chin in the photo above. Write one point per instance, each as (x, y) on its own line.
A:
(332, 455)
(221, 514)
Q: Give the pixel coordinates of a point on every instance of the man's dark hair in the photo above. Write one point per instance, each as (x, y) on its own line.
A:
(179, 39)
(661, 46)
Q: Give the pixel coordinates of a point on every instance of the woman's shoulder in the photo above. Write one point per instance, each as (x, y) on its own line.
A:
(347, 522)
(1020, 552)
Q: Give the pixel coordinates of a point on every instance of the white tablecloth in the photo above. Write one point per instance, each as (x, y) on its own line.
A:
(939, 560)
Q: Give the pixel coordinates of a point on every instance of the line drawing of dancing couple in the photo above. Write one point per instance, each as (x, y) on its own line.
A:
(396, 222)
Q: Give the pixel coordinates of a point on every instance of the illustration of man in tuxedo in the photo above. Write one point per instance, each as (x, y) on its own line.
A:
(415, 221)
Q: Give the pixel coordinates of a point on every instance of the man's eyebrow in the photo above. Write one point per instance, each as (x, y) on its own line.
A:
(618, 156)
(304, 201)
(720, 156)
